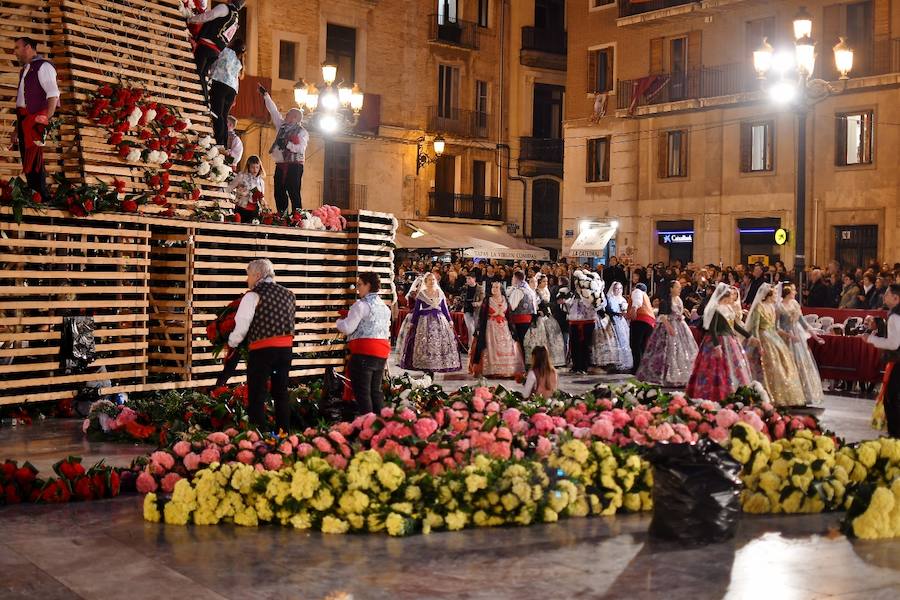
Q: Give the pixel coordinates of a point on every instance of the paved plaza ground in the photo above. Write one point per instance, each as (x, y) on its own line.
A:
(104, 549)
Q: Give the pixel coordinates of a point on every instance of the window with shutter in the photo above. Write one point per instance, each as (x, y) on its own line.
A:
(598, 160)
(854, 143)
(656, 56)
(757, 147)
(592, 71)
(673, 154)
(600, 70)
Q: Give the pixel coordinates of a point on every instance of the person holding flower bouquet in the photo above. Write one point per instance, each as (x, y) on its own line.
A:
(889, 341)
(265, 318)
(249, 188)
(217, 331)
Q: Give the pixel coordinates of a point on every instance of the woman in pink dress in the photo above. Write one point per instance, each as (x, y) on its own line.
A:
(496, 353)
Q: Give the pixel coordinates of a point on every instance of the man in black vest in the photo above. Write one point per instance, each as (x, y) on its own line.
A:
(36, 101)
(219, 24)
(890, 343)
(265, 317)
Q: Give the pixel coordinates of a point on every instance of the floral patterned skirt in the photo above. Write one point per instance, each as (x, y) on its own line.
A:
(431, 346)
(545, 332)
(717, 377)
(606, 348)
(669, 359)
(502, 355)
(772, 364)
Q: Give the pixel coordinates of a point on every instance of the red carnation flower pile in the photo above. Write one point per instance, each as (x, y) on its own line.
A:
(74, 482)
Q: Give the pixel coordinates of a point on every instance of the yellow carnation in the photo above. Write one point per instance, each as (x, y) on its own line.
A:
(391, 476)
(151, 510)
(576, 449)
(756, 503)
(456, 520)
(632, 502)
(550, 515)
(334, 525)
(395, 524)
(475, 482)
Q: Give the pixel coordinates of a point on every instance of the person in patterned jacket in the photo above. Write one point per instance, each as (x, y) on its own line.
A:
(265, 317)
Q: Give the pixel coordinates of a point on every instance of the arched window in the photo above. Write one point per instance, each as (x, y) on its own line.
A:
(545, 208)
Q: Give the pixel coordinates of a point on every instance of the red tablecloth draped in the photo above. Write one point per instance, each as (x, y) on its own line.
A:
(840, 357)
(459, 325)
(842, 314)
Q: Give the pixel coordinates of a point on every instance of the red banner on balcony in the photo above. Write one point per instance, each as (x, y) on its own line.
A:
(649, 86)
(249, 103)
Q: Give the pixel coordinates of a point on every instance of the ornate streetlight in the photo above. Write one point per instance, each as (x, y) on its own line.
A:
(335, 107)
(422, 157)
(793, 84)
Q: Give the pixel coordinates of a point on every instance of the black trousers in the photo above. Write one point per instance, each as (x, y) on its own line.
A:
(37, 177)
(262, 366)
(892, 403)
(581, 340)
(204, 57)
(221, 98)
(640, 334)
(288, 178)
(366, 375)
(228, 368)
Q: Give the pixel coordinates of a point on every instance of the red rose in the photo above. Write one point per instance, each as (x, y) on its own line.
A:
(83, 489)
(168, 120)
(188, 155)
(195, 194)
(106, 120)
(251, 206)
(119, 185)
(89, 206)
(36, 197)
(71, 470)
(159, 200)
(122, 127)
(180, 125)
(105, 91)
(25, 476)
(257, 195)
(136, 94)
(153, 144)
(124, 150)
(267, 220)
(212, 332)
(7, 471)
(228, 324)
(164, 188)
(169, 212)
(98, 481)
(165, 177)
(56, 492)
(12, 494)
(115, 139)
(114, 483)
(145, 134)
(129, 206)
(161, 112)
(166, 165)
(165, 132)
(123, 94)
(154, 180)
(236, 218)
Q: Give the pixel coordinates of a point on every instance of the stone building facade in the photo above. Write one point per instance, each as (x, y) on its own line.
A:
(695, 161)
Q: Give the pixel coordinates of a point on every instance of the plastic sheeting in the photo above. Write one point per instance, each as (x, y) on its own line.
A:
(76, 350)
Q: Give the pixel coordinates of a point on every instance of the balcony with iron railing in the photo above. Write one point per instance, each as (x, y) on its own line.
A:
(544, 48)
(465, 206)
(458, 122)
(540, 156)
(453, 32)
(643, 12)
(882, 58)
(343, 194)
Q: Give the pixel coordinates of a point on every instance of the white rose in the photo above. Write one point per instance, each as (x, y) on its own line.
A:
(218, 160)
(151, 114)
(203, 169)
(212, 153)
(205, 142)
(136, 114)
(163, 157)
(134, 155)
(153, 157)
(255, 222)
(187, 123)
(132, 123)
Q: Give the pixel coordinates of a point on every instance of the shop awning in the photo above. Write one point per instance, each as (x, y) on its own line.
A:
(476, 241)
(592, 242)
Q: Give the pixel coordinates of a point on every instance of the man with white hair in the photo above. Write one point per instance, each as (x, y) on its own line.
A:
(265, 317)
(288, 151)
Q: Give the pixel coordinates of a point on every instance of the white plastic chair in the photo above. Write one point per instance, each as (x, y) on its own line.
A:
(811, 319)
(825, 323)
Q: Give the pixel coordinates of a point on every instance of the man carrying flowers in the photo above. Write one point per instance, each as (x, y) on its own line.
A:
(265, 317)
(368, 330)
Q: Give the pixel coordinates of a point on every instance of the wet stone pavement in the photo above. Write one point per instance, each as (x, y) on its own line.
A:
(104, 549)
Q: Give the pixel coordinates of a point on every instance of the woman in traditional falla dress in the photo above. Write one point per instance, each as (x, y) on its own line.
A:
(545, 330)
(771, 361)
(791, 321)
(671, 350)
(430, 344)
(403, 332)
(496, 353)
(606, 350)
(616, 307)
(721, 365)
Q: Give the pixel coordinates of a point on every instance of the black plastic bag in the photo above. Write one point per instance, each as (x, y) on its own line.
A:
(696, 492)
(76, 350)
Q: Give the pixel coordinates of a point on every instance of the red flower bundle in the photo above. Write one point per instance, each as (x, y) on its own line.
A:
(218, 330)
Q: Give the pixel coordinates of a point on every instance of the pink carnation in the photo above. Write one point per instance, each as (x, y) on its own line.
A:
(145, 483)
(726, 418)
(252, 436)
(192, 461)
(168, 482)
(181, 448)
(245, 456)
(337, 461)
(718, 434)
(231, 432)
(542, 423)
(500, 450)
(209, 456)
(752, 419)
(387, 412)
(478, 404)
(322, 445)
(602, 429)
(661, 433)
(407, 414)
(304, 450)
(218, 437)
(286, 448)
(425, 427)
(345, 428)
(543, 447)
(273, 461)
(245, 445)
(483, 392)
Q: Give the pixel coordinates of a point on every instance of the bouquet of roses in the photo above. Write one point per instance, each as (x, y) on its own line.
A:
(219, 329)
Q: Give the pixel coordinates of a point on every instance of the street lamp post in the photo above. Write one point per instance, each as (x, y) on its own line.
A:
(336, 106)
(795, 86)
